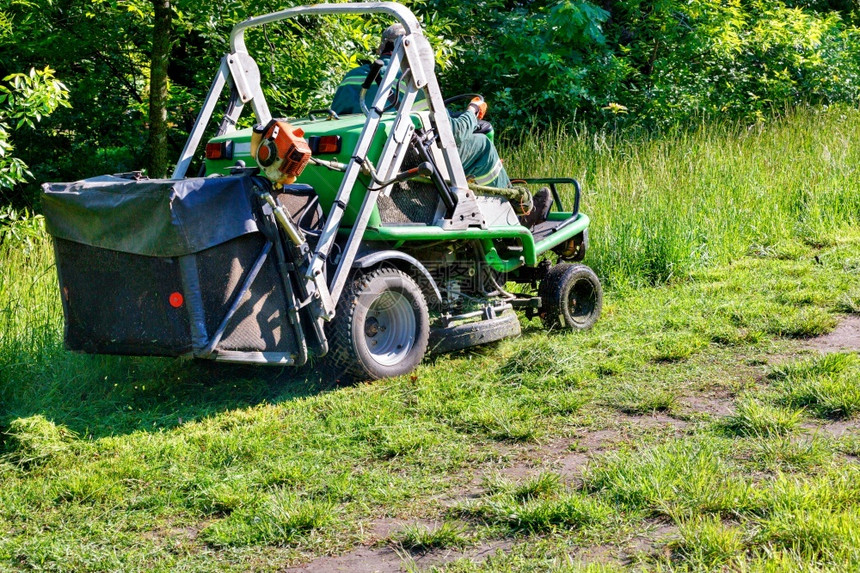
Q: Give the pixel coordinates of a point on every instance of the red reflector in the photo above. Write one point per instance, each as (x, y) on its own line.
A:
(219, 150)
(175, 299)
(214, 150)
(329, 144)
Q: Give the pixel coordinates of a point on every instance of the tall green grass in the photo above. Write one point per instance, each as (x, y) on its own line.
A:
(29, 315)
(663, 205)
(30, 311)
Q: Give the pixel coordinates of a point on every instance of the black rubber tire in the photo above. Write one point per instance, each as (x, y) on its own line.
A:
(571, 297)
(486, 331)
(367, 295)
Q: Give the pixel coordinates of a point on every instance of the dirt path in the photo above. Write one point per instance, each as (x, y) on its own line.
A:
(388, 560)
(845, 337)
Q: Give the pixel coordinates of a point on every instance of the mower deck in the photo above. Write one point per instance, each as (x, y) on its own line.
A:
(557, 229)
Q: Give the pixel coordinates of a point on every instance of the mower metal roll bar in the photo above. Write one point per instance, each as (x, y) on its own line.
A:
(239, 64)
(403, 15)
(411, 51)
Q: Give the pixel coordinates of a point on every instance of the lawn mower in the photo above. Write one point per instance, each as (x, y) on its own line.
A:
(353, 241)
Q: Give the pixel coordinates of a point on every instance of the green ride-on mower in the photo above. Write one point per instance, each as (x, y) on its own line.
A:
(356, 241)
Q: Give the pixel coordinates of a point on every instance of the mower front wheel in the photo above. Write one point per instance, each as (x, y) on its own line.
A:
(571, 297)
(381, 328)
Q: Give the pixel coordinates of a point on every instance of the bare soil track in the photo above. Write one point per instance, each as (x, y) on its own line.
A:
(845, 337)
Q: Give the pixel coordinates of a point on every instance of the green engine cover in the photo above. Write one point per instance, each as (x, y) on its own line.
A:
(325, 181)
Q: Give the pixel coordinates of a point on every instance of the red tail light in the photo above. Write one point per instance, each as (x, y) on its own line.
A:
(219, 150)
(325, 144)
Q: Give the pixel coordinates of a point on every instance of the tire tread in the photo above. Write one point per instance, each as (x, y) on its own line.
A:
(343, 357)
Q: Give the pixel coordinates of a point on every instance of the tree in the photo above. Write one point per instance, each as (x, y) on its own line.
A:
(158, 88)
(100, 52)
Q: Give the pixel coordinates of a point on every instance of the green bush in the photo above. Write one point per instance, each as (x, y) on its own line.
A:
(652, 64)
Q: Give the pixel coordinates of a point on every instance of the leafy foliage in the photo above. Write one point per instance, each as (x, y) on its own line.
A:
(22, 228)
(23, 102)
(541, 62)
(654, 63)
(706, 57)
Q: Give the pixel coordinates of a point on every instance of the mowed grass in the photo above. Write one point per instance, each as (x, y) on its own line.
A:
(122, 463)
(827, 387)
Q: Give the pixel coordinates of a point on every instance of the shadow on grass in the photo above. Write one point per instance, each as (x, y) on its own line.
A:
(98, 396)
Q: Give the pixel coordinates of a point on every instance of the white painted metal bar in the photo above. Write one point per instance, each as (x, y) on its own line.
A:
(388, 165)
(221, 79)
(402, 13)
(332, 224)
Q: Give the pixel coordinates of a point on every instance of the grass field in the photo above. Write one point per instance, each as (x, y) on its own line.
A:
(694, 428)
(665, 206)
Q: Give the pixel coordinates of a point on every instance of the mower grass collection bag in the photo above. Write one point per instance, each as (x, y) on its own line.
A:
(169, 268)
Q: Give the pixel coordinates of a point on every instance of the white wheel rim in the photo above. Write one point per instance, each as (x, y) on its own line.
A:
(389, 328)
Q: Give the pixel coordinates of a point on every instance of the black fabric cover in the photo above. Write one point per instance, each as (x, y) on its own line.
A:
(153, 267)
(117, 303)
(153, 217)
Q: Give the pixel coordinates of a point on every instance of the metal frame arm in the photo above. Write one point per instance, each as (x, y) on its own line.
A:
(193, 141)
(412, 51)
(403, 14)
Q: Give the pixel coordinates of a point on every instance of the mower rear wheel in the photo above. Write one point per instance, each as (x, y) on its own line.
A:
(381, 328)
(571, 297)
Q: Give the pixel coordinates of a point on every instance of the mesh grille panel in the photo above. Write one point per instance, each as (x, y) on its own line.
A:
(222, 270)
(256, 326)
(410, 202)
(118, 303)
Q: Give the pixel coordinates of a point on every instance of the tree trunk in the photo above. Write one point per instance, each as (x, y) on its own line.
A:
(157, 144)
